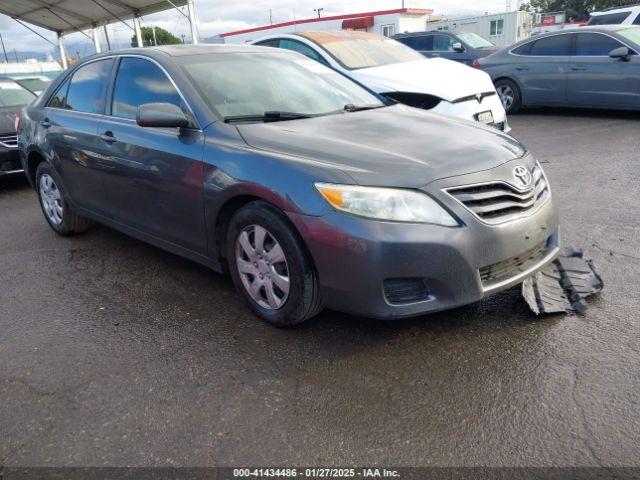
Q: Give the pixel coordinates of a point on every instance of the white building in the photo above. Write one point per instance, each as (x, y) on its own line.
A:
(502, 29)
(384, 22)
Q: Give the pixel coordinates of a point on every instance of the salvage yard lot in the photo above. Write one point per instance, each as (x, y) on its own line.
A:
(113, 352)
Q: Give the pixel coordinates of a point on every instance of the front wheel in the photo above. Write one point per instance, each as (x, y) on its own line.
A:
(271, 267)
(510, 95)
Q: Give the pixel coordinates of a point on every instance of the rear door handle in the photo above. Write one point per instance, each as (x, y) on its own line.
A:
(522, 68)
(108, 137)
(45, 123)
(578, 68)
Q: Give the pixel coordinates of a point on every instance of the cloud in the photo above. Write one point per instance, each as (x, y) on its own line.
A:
(220, 16)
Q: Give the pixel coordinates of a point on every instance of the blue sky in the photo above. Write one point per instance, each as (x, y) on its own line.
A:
(219, 16)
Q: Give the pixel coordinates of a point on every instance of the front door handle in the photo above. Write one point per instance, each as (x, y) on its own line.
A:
(108, 137)
(45, 123)
(578, 68)
(522, 68)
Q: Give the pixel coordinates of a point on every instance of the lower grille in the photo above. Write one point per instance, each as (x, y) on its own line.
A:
(496, 202)
(511, 267)
(10, 165)
(9, 141)
(405, 290)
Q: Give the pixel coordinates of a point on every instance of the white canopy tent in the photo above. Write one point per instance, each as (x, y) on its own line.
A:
(68, 16)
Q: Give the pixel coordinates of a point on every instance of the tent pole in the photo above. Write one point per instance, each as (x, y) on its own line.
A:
(192, 21)
(136, 26)
(63, 53)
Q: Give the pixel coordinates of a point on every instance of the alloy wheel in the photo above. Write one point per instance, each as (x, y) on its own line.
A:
(507, 96)
(262, 266)
(51, 200)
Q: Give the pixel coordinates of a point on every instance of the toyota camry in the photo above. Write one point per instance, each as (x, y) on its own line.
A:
(310, 190)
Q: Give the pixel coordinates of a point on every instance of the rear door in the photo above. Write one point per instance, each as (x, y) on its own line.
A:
(70, 127)
(597, 80)
(541, 69)
(155, 180)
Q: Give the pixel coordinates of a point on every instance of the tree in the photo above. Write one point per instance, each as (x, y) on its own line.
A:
(576, 9)
(163, 37)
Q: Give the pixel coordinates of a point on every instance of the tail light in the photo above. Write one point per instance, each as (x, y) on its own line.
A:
(476, 63)
(17, 123)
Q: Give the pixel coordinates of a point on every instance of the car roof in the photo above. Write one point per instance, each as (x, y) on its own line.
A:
(323, 36)
(619, 8)
(586, 28)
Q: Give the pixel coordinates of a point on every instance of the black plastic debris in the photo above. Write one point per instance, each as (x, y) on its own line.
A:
(563, 285)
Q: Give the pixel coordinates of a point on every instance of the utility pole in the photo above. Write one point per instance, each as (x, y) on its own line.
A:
(318, 11)
(153, 31)
(270, 17)
(6, 59)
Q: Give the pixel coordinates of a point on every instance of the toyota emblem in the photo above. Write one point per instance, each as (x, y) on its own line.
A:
(522, 175)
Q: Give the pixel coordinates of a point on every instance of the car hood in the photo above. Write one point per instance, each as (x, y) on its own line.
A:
(394, 146)
(8, 119)
(443, 78)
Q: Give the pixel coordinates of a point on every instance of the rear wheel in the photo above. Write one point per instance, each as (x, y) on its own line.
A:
(54, 206)
(270, 266)
(509, 94)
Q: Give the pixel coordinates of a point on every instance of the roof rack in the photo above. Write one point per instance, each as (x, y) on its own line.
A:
(619, 7)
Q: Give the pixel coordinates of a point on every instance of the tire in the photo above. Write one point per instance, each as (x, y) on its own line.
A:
(54, 205)
(510, 95)
(263, 270)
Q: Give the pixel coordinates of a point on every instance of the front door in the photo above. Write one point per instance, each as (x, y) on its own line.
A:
(155, 184)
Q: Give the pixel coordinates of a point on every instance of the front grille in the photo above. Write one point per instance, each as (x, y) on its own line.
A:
(511, 267)
(9, 141)
(405, 290)
(478, 97)
(496, 202)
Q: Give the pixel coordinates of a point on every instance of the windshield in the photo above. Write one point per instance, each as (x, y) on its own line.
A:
(474, 40)
(631, 34)
(608, 19)
(33, 84)
(13, 95)
(251, 84)
(355, 50)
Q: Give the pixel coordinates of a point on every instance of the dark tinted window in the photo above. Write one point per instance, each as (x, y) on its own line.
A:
(140, 81)
(300, 47)
(609, 19)
(58, 99)
(556, 45)
(637, 20)
(595, 44)
(442, 43)
(87, 88)
(523, 49)
(270, 43)
(422, 42)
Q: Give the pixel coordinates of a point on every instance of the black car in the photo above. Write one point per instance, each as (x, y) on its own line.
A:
(12, 98)
(465, 47)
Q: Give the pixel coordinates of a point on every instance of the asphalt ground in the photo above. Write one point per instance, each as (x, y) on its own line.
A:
(116, 353)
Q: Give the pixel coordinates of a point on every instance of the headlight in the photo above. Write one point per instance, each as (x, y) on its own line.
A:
(392, 204)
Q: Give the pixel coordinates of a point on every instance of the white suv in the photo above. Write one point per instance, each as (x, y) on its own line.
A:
(616, 16)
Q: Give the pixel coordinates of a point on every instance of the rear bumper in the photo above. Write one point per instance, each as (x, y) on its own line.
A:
(10, 163)
(360, 260)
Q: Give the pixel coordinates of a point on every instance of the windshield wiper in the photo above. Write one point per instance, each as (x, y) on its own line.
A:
(350, 107)
(269, 116)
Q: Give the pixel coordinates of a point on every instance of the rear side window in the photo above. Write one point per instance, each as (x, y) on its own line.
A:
(59, 98)
(300, 47)
(87, 88)
(523, 49)
(609, 19)
(274, 42)
(595, 45)
(554, 46)
(140, 81)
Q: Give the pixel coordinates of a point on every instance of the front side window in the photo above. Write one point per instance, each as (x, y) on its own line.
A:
(250, 84)
(608, 19)
(87, 88)
(443, 43)
(554, 46)
(140, 81)
(496, 27)
(300, 47)
(60, 97)
(595, 45)
(355, 50)
(13, 95)
(419, 42)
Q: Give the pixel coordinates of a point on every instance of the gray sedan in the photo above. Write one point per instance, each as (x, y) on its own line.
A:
(592, 67)
(309, 189)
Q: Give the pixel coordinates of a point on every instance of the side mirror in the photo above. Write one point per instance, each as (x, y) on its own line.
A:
(620, 53)
(164, 115)
(457, 47)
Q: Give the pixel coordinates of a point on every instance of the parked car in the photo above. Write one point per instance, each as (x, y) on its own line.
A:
(593, 67)
(629, 15)
(35, 84)
(464, 47)
(12, 98)
(308, 188)
(395, 71)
